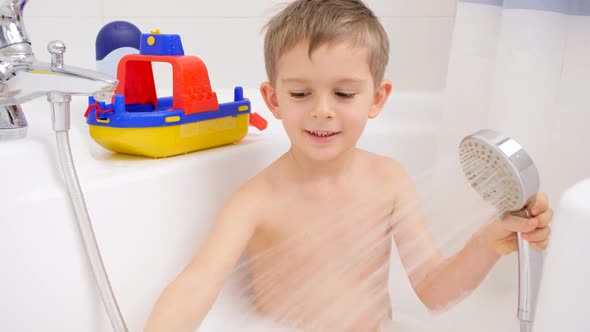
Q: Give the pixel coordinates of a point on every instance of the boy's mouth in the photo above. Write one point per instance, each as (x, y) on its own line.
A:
(321, 133)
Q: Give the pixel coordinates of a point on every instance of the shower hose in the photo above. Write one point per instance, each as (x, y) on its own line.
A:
(525, 327)
(87, 233)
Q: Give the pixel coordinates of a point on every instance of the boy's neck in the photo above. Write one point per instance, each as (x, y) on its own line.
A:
(324, 170)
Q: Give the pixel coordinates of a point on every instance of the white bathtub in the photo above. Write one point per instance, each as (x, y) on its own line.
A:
(150, 215)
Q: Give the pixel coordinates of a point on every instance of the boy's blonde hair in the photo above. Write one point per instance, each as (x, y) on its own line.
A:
(326, 21)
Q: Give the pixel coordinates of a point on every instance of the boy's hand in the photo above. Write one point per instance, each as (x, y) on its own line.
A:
(500, 235)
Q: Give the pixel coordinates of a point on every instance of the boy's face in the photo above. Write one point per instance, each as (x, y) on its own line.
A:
(324, 101)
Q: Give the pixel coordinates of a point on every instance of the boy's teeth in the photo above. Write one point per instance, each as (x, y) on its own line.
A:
(321, 133)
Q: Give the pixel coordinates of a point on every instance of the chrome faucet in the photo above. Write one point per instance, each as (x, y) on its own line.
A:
(23, 77)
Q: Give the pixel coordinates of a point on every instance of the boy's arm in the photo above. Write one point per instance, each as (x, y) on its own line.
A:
(440, 281)
(436, 280)
(186, 301)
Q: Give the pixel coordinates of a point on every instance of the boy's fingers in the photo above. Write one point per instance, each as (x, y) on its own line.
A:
(545, 218)
(541, 245)
(518, 224)
(538, 203)
(539, 234)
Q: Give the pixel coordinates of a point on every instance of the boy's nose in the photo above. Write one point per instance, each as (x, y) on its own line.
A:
(322, 110)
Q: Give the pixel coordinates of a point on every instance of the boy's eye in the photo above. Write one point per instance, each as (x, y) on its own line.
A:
(345, 94)
(298, 94)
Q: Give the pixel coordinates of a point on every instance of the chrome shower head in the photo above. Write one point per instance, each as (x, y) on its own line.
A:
(499, 169)
(504, 174)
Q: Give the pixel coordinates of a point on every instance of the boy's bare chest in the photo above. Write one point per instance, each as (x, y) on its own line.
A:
(329, 222)
(348, 229)
(319, 251)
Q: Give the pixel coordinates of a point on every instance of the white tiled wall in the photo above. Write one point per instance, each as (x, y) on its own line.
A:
(227, 34)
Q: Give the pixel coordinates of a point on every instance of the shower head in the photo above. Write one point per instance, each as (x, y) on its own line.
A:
(499, 169)
(504, 174)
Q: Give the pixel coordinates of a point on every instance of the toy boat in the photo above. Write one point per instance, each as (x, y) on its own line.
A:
(138, 122)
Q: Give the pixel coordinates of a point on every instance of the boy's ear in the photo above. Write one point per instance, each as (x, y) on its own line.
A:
(270, 98)
(381, 95)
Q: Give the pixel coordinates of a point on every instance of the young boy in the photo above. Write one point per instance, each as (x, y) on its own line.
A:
(317, 223)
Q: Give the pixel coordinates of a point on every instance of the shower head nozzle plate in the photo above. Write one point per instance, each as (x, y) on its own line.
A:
(499, 169)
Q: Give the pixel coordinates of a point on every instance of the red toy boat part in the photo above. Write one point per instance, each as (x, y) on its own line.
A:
(191, 85)
(258, 121)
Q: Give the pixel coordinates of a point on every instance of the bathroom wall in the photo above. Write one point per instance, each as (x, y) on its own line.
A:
(525, 73)
(227, 34)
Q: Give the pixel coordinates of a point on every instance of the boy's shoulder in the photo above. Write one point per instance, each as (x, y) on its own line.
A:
(387, 172)
(268, 183)
(255, 188)
(381, 165)
(258, 188)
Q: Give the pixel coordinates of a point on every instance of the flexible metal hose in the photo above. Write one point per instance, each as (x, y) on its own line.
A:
(87, 233)
(525, 326)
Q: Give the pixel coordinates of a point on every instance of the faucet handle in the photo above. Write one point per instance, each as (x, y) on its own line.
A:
(14, 39)
(57, 48)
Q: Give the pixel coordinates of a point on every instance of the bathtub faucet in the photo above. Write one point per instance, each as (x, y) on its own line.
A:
(23, 77)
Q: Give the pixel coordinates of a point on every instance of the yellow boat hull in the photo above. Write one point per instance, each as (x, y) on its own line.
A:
(166, 141)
